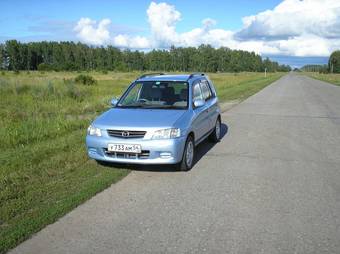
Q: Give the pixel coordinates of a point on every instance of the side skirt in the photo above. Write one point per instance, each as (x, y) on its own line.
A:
(197, 142)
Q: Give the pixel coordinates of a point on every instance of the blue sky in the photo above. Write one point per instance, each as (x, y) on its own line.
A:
(20, 22)
(268, 27)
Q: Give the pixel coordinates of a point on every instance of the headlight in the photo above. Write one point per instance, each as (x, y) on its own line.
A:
(167, 133)
(93, 131)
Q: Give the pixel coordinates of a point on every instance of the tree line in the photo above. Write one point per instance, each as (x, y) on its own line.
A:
(315, 68)
(333, 65)
(70, 56)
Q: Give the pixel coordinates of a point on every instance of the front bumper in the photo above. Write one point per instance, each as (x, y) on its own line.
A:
(166, 151)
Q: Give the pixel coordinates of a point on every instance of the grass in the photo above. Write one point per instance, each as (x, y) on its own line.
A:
(44, 169)
(330, 78)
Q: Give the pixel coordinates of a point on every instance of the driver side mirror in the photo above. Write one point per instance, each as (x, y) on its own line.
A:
(199, 103)
(114, 102)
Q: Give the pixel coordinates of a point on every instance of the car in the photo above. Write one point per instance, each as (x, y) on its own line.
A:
(159, 119)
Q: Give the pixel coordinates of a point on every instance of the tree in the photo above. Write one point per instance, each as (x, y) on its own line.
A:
(334, 62)
(72, 56)
(3, 57)
(12, 48)
(315, 68)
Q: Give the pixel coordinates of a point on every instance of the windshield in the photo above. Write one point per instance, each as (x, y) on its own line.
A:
(156, 94)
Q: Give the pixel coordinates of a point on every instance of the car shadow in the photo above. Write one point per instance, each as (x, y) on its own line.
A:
(201, 150)
(206, 145)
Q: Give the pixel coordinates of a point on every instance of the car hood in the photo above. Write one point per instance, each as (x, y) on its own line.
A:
(138, 118)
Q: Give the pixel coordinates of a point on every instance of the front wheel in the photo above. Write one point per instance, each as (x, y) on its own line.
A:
(188, 155)
(215, 136)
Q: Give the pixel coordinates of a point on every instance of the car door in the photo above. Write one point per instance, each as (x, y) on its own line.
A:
(211, 105)
(201, 117)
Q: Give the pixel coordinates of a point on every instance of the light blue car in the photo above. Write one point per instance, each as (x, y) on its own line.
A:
(158, 120)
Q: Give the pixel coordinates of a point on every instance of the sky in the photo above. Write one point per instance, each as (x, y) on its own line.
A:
(297, 32)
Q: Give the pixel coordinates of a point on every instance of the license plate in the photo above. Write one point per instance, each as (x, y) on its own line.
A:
(124, 148)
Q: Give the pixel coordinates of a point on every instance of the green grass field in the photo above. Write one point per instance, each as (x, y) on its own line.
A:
(330, 78)
(45, 171)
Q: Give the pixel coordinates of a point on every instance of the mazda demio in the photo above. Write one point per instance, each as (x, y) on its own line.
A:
(158, 120)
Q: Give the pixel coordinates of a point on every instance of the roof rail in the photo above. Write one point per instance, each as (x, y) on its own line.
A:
(195, 74)
(151, 74)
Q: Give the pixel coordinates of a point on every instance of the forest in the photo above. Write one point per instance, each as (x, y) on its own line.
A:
(332, 67)
(315, 68)
(70, 56)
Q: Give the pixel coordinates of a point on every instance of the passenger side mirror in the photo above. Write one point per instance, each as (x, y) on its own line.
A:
(114, 102)
(199, 103)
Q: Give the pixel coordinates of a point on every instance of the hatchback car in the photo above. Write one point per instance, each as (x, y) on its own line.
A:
(158, 120)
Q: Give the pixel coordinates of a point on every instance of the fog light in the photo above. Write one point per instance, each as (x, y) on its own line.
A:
(165, 155)
(92, 150)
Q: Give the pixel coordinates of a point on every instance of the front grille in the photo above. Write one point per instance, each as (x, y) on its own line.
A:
(126, 134)
(143, 155)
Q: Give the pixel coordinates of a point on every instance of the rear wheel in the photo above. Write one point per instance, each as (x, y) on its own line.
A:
(188, 155)
(215, 136)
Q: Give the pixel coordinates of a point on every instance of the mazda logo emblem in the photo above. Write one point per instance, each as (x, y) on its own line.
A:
(125, 134)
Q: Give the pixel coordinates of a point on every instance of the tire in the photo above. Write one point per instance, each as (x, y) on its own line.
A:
(187, 162)
(215, 136)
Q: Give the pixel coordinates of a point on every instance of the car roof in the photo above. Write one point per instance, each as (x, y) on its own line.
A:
(169, 77)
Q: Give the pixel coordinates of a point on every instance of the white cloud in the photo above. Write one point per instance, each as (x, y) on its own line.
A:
(295, 18)
(88, 32)
(294, 27)
(304, 45)
(208, 22)
(162, 18)
(135, 42)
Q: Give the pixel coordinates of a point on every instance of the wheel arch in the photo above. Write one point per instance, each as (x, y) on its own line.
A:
(192, 134)
(219, 117)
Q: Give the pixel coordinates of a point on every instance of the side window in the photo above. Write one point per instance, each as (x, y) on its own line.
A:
(212, 89)
(197, 94)
(205, 90)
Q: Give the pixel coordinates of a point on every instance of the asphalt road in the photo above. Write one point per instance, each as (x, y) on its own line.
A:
(272, 185)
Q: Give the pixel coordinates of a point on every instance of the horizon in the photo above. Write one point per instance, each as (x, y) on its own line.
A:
(289, 32)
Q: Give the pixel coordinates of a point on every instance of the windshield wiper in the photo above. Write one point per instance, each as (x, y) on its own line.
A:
(165, 107)
(175, 107)
(131, 106)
